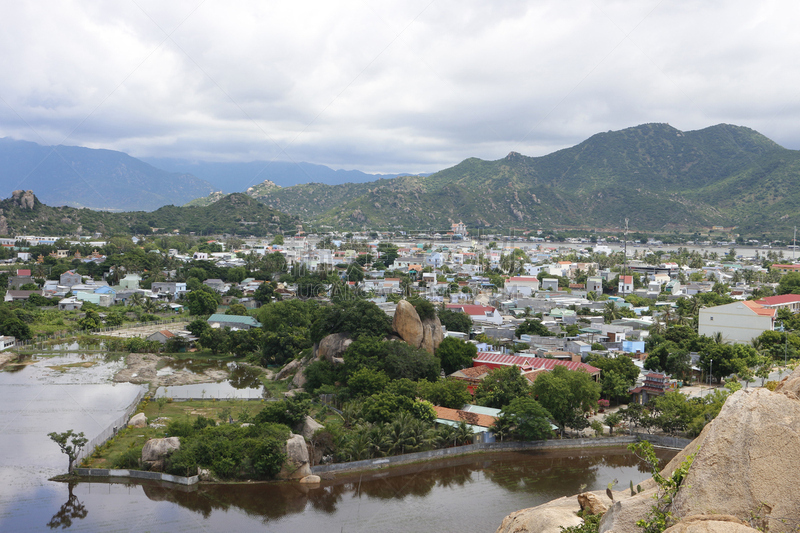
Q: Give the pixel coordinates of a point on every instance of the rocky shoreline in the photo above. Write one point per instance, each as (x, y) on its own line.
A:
(741, 479)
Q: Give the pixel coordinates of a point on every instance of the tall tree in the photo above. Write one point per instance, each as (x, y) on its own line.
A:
(567, 395)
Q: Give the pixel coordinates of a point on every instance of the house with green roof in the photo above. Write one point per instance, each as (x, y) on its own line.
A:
(219, 320)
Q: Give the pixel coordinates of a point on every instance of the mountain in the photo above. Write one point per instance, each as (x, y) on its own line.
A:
(234, 177)
(659, 177)
(97, 179)
(23, 213)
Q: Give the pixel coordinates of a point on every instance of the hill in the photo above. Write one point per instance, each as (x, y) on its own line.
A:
(98, 179)
(661, 178)
(234, 177)
(237, 213)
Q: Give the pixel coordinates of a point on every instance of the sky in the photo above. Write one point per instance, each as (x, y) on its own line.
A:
(389, 86)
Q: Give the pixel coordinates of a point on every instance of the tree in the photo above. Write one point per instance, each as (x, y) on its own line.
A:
(70, 443)
(237, 309)
(202, 301)
(450, 393)
(532, 327)
(91, 320)
(501, 386)
(455, 354)
(789, 284)
(567, 395)
(525, 419)
(455, 320)
(278, 239)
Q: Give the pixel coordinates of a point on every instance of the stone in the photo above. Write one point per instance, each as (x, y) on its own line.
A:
(591, 504)
(333, 346)
(710, 524)
(297, 465)
(300, 379)
(155, 451)
(407, 324)
(546, 518)
(790, 385)
(309, 480)
(310, 426)
(622, 516)
(744, 465)
(138, 421)
(287, 370)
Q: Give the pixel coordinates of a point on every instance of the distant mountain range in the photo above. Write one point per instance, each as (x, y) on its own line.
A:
(659, 177)
(97, 179)
(237, 177)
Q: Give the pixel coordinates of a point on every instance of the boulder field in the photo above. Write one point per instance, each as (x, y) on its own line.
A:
(742, 477)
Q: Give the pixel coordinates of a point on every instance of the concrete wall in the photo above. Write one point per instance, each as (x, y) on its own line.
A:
(736, 322)
(137, 474)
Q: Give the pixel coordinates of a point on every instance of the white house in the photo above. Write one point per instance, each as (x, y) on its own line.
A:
(625, 284)
(738, 322)
(482, 314)
(7, 342)
(521, 285)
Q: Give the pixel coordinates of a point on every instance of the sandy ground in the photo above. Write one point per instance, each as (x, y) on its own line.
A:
(141, 368)
(145, 331)
(6, 357)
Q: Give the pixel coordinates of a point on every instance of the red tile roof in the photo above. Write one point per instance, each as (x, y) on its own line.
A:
(760, 309)
(474, 310)
(457, 415)
(779, 300)
(529, 363)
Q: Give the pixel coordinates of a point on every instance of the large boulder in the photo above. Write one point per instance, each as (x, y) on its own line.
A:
(432, 334)
(333, 346)
(297, 466)
(547, 518)
(590, 503)
(745, 463)
(155, 451)
(310, 426)
(287, 370)
(710, 524)
(138, 421)
(407, 324)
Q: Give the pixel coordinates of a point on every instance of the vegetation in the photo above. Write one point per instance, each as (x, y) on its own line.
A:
(70, 444)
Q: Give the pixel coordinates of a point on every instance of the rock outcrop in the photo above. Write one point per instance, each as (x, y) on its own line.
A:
(407, 324)
(741, 479)
(590, 503)
(138, 421)
(332, 347)
(310, 426)
(24, 199)
(155, 451)
(426, 334)
(297, 465)
(287, 370)
(547, 518)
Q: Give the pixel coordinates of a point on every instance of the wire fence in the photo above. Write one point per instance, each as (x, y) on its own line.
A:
(111, 430)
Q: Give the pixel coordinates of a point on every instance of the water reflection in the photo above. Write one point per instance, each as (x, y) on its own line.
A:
(72, 509)
(543, 475)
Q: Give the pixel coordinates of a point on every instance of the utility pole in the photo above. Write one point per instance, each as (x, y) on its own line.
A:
(625, 259)
(794, 243)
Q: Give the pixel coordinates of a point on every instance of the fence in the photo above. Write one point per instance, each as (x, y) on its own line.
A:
(41, 339)
(137, 474)
(368, 464)
(111, 430)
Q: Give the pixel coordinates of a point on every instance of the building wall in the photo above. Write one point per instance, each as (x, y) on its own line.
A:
(736, 322)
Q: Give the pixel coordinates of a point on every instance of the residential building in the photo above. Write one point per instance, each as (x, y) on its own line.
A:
(783, 301)
(7, 342)
(521, 285)
(130, 281)
(625, 285)
(526, 364)
(549, 284)
(738, 322)
(482, 314)
(785, 269)
(232, 321)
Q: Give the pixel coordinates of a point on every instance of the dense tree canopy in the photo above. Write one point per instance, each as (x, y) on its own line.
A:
(567, 395)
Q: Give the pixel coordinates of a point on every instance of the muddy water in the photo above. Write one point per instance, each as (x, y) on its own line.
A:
(243, 381)
(462, 494)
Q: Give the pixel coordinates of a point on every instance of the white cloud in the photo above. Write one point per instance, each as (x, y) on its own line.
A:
(389, 86)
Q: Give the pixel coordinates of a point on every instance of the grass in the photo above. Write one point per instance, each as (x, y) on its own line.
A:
(128, 438)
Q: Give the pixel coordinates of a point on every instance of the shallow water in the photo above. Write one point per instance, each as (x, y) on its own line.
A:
(463, 494)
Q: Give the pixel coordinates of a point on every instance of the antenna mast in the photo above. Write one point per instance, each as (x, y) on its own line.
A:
(625, 259)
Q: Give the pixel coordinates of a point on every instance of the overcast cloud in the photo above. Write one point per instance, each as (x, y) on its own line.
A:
(413, 86)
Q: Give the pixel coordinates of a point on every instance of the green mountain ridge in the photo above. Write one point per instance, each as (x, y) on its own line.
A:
(659, 177)
(236, 213)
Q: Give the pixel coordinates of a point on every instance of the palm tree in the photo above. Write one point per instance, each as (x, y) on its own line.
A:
(136, 299)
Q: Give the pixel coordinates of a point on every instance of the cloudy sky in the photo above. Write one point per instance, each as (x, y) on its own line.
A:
(389, 86)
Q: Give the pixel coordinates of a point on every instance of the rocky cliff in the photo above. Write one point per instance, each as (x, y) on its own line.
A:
(741, 479)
